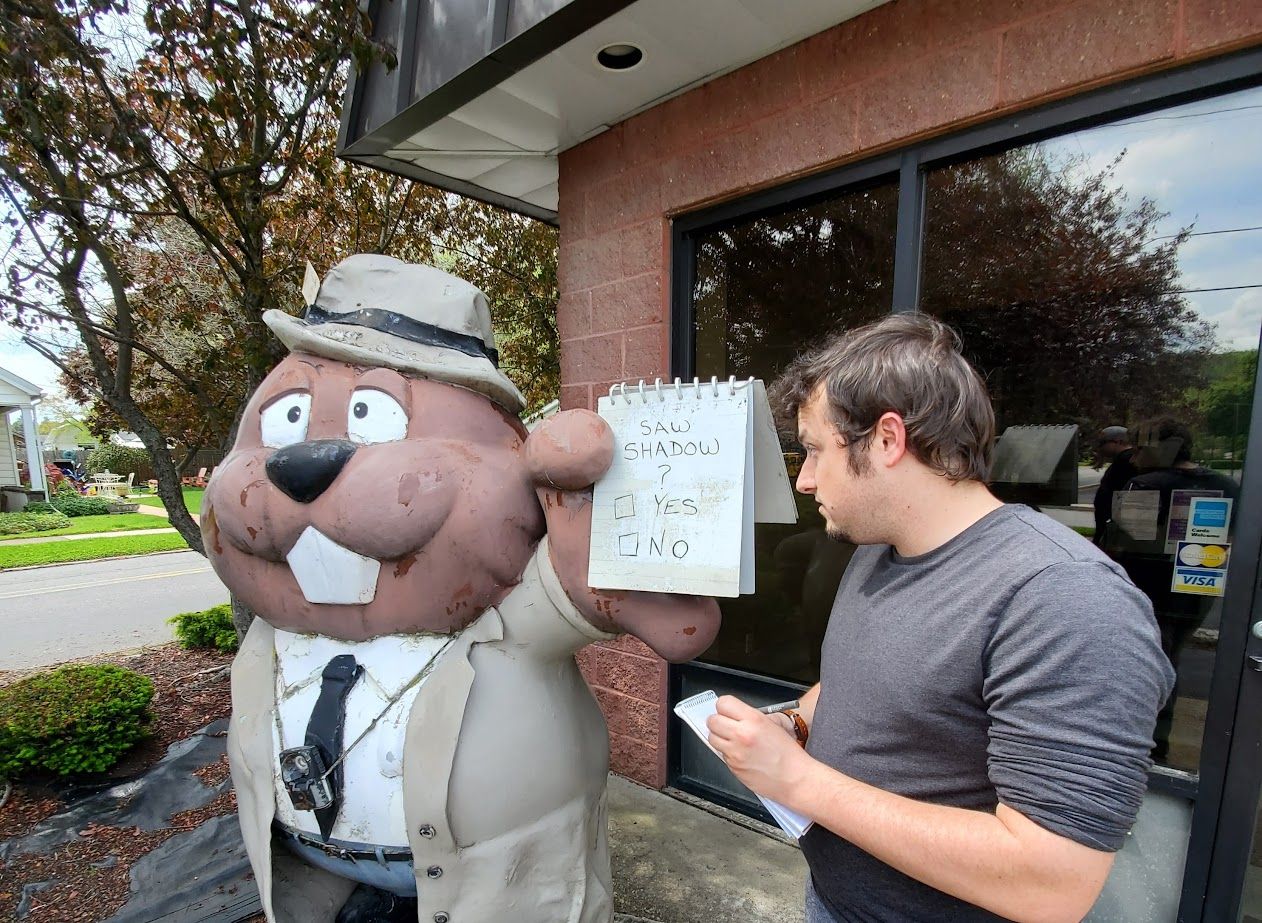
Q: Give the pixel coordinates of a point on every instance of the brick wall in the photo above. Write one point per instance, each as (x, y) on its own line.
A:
(905, 71)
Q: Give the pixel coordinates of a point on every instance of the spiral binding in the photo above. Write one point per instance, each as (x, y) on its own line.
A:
(620, 389)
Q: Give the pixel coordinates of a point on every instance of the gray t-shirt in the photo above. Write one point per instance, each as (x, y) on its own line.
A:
(1016, 663)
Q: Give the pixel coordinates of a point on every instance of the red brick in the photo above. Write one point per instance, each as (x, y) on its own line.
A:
(590, 358)
(1209, 24)
(631, 758)
(587, 263)
(576, 397)
(630, 717)
(645, 354)
(628, 303)
(638, 677)
(715, 168)
(642, 247)
(754, 91)
(594, 160)
(586, 657)
(673, 125)
(893, 34)
(629, 644)
(574, 315)
(1084, 43)
(802, 139)
(571, 208)
(927, 94)
(625, 199)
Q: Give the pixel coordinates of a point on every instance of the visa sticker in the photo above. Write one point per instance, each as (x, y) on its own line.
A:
(1200, 568)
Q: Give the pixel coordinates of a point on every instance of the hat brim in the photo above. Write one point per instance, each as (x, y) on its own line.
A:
(365, 346)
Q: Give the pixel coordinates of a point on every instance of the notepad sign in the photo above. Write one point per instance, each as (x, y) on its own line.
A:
(675, 511)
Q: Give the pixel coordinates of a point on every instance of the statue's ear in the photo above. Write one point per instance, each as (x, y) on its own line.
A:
(569, 451)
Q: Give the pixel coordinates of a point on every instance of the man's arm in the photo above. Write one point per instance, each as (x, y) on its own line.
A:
(1003, 862)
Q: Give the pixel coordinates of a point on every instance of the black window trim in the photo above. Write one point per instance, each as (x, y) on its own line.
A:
(1187, 83)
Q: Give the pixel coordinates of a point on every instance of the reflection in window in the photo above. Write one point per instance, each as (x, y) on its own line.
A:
(766, 290)
(1105, 284)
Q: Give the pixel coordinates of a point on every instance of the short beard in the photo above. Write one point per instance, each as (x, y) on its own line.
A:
(836, 535)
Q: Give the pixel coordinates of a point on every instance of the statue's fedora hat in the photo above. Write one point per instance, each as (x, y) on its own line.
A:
(378, 311)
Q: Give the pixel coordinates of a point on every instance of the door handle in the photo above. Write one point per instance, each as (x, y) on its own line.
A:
(1255, 664)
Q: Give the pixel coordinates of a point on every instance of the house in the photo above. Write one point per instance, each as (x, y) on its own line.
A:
(67, 438)
(18, 394)
(1072, 184)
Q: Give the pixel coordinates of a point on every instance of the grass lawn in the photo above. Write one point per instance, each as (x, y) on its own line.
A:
(80, 525)
(86, 549)
(192, 499)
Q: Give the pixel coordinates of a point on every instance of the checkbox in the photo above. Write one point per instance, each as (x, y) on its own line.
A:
(629, 544)
(624, 507)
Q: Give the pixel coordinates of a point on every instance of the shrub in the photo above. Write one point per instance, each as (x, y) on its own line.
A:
(208, 628)
(75, 719)
(119, 459)
(39, 506)
(75, 505)
(31, 521)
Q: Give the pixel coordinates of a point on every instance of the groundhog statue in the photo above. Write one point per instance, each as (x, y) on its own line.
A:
(411, 738)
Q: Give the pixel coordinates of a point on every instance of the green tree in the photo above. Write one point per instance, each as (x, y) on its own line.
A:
(198, 112)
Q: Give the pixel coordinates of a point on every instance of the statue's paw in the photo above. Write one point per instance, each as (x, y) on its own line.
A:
(570, 451)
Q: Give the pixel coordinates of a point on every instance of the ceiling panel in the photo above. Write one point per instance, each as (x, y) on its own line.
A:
(566, 97)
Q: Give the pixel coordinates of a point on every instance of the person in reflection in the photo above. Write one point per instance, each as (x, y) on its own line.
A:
(978, 744)
(1163, 458)
(1113, 445)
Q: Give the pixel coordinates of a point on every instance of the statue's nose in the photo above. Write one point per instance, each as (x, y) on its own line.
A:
(306, 469)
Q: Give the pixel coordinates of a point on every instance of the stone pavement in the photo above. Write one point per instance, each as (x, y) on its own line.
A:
(673, 862)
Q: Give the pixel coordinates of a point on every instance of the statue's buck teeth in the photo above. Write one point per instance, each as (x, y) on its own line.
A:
(329, 573)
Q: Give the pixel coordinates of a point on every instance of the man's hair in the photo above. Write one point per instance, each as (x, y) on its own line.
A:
(906, 363)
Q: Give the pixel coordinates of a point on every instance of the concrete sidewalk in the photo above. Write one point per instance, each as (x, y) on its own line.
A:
(675, 862)
(80, 535)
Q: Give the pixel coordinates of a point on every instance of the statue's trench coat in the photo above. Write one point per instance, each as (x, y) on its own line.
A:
(505, 757)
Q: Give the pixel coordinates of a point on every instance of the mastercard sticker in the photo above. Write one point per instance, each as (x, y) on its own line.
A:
(1200, 568)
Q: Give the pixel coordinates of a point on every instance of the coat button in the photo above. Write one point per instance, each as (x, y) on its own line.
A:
(441, 917)
(426, 831)
(434, 872)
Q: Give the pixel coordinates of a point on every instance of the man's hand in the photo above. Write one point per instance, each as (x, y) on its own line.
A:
(761, 750)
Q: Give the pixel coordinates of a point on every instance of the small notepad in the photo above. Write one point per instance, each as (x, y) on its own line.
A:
(694, 711)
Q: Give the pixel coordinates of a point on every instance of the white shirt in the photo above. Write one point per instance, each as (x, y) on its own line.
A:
(395, 669)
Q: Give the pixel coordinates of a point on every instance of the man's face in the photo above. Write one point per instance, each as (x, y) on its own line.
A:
(1110, 447)
(847, 500)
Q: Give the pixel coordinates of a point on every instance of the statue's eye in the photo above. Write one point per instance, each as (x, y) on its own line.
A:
(374, 416)
(284, 421)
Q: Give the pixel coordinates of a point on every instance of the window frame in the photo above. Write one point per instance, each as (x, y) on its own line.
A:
(1188, 83)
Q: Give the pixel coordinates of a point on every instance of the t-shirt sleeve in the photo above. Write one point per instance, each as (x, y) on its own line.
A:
(1074, 678)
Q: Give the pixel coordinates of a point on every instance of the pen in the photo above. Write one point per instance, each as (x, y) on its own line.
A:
(779, 706)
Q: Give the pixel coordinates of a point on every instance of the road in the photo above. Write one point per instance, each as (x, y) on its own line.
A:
(50, 614)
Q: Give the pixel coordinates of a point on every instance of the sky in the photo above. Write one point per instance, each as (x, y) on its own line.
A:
(24, 362)
(1199, 162)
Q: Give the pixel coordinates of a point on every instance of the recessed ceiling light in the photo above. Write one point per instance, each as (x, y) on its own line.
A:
(620, 56)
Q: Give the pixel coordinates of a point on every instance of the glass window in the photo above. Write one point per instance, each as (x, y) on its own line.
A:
(766, 290)
(1108, 284)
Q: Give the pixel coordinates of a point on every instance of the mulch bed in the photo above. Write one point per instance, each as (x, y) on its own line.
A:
(190, 690)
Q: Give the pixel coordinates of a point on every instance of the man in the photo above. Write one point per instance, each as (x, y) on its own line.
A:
(978, 744)
(1114, 447)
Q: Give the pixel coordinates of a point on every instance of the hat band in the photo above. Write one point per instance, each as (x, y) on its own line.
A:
(407, 328)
